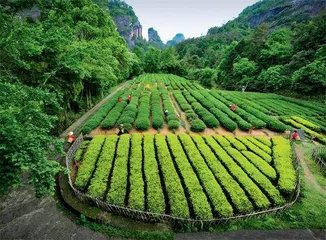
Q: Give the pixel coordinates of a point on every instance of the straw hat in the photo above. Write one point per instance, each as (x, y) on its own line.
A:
(71, 133)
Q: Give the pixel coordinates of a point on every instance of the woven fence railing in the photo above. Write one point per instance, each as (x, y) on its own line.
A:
(316, 154)
(155, 217)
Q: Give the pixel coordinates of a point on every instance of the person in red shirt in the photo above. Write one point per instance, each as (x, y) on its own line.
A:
(129, 99)
(295, 135)
(119, 99)
(71, 138)
(233, 107)
(252, 128)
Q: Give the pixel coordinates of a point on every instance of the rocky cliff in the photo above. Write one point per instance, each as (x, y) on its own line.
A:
(289, 11)
(177, 39)
(154, 38)
(126, 20)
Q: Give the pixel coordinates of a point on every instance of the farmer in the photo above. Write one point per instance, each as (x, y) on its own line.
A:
(166, 112)
(119, 99)
(233, 107)
(243, 89)
(71, 138)
(121, 129)
(295, 135)
(129, 99)
(251, 128)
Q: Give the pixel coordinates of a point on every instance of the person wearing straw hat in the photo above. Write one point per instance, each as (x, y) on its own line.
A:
(71, 137)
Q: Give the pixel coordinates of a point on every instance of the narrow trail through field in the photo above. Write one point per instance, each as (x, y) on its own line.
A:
(81, 120)
(308, 174)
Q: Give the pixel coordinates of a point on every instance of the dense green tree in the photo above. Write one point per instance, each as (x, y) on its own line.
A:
(207, 76)
(278, 48)
(272, 79)
(152, 60)
(26, 117)
(244, 70)
(73, 48)
(311, 78)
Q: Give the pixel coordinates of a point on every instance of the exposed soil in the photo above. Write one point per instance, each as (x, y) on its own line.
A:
(208, 131)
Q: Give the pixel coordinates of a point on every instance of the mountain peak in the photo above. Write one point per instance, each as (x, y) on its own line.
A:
(179, 37)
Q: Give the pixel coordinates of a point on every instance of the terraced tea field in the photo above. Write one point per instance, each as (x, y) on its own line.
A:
(187, 176)
(191, 108)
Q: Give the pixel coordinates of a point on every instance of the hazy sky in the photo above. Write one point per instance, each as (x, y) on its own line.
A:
(190, 17)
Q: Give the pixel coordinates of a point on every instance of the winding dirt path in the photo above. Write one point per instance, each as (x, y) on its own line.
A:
(308, 174)
(81, 120)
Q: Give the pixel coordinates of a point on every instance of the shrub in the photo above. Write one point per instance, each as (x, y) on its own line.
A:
(136, 196)
(226, 122)
(282, 155)
(118, 186)
(142, 124)
(235, 143)
(251, 188)
(127, 127)
(175, 192)
(173, 124)
(197, 125)
(260, 145)
(191, 116)
(259, 178)
(255, 149)
(154, 193)
(233, 189)
(197, 196)
(262, 165)
(99, 182)
(172, 117)
(213, 189)
(96, 119)
(89, 162)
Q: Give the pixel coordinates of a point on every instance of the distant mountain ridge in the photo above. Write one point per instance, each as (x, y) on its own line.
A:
(276, 14)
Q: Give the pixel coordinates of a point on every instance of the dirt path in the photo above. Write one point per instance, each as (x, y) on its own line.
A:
(81, 120)
(309, 176)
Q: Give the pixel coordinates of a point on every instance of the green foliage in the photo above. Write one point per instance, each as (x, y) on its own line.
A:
(157, 112)
(197, 125)
(236, 193)
(261, 180)
(173, 124)
(72, 49)
(142, 121)
(26, 119)
(117, 192)
(89, 162)
(112, 117)
(255, 149)
(260, 145)
(213, 189)
(310, 78)
(262, 165)
(306, 123)
(104, 165)
(197, 196)
(97, 118)
(282, 156)
(154, 193)
(177, 199)
(137, 192)
(235, 143)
